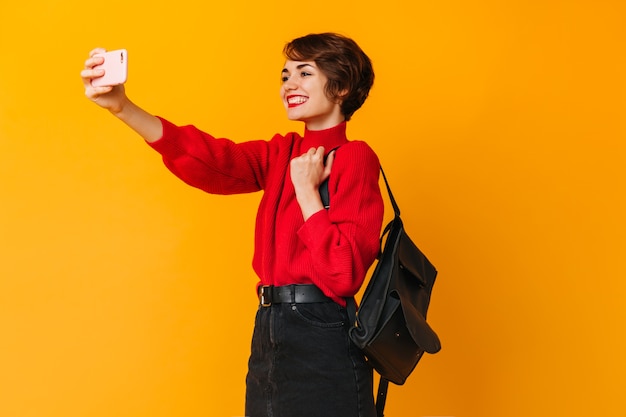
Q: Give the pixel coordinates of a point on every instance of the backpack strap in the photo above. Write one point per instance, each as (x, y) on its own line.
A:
(324, 194)
(396, 209)
(383, 384)
(324, 186)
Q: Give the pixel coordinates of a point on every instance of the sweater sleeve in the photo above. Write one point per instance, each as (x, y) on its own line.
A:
(345, 239)
(215, 165)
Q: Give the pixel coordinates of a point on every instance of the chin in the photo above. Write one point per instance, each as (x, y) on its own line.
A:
(294, 117)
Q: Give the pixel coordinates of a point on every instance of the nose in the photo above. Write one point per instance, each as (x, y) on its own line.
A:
(290, 85)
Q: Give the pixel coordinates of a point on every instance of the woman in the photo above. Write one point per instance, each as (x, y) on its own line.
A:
(309, 259)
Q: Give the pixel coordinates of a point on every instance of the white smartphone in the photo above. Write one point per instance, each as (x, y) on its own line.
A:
(115, 68)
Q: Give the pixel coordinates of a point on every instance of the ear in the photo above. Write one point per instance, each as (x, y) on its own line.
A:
(340, 97)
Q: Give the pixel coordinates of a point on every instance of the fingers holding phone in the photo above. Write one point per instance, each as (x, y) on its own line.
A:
(104, 73)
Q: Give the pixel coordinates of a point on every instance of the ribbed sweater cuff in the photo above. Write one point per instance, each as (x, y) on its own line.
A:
(167, 145)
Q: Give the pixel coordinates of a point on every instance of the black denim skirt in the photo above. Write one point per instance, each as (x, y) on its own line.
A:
(303, 364)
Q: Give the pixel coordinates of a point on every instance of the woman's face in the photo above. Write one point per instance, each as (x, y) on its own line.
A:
(303, 95)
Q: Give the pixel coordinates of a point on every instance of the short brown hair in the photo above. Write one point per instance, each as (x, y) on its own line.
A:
(349, 71)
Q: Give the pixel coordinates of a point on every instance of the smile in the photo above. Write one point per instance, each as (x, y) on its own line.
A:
(294, 101)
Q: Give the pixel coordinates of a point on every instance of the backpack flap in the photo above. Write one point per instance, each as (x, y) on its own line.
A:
(413, 285)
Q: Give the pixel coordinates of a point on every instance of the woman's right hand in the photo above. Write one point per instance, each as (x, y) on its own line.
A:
(112, 98)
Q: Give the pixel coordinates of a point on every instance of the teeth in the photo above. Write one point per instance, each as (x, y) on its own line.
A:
(296, 100)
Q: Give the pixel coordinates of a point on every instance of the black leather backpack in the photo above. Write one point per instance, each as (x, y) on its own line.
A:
(390, 324)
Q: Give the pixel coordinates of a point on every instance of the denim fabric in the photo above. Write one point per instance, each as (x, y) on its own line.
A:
(303, 364)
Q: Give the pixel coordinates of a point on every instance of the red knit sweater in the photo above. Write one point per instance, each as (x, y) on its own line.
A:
(334, 248)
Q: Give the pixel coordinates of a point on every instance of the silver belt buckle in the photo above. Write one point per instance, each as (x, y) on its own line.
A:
(262, 289)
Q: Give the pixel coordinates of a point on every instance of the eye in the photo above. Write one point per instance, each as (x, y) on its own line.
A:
(305, 74)
(284, 78)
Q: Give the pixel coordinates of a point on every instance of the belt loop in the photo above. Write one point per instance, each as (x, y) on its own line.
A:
(292, 292)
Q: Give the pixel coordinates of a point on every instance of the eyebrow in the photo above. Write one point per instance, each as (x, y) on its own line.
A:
(298, 67)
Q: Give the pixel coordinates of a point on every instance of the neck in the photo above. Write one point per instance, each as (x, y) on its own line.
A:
(326, 123)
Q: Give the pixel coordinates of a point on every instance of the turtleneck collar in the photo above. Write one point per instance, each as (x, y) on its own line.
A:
(328, 138)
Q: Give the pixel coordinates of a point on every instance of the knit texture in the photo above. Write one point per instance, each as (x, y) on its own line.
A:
(334, 248)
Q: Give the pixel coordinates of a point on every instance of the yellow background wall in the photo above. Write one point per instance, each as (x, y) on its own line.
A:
(500, 124)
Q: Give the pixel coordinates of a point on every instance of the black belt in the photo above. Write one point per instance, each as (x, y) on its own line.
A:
(269, 294)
